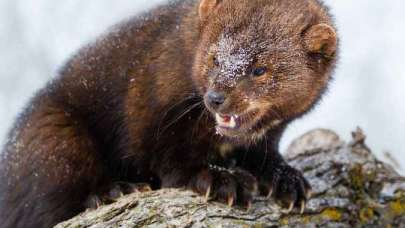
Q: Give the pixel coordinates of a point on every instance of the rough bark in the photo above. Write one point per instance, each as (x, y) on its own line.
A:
(351, 189)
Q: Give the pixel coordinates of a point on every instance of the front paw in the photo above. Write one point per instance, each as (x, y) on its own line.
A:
(110, 193)
(231, 186)
(287, 186)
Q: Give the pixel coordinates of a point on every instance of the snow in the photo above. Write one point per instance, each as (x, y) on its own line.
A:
(36, 37)
(233, 63)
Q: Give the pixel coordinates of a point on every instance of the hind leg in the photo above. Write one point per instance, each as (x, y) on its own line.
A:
(50, 165)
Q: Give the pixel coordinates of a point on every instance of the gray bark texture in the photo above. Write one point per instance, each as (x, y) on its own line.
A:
(351, 189)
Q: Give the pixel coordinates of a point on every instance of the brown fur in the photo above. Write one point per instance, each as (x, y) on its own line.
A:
(130, 107)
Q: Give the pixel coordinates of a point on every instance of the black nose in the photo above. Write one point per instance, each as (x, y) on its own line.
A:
(215, 98)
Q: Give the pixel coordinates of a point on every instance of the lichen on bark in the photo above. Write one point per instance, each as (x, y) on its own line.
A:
(351, 187)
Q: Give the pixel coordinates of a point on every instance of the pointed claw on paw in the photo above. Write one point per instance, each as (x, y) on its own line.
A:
(140, 188)
(230, 201)
(270, 193)
(231, 187)
(290, 208)
(309, 194)
(207, 194)
(146, 189)
(303, 205)
(98, 204)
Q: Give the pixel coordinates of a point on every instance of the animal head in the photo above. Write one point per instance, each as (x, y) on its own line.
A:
(261, 63)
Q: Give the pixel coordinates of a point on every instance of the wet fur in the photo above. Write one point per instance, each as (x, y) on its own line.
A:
(129, 107)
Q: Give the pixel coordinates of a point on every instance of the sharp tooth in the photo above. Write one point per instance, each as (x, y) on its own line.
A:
(218, 118)
(232, 123)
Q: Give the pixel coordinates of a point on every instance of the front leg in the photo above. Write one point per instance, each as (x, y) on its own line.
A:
(230, 186)
(284, 183)
(277, 179)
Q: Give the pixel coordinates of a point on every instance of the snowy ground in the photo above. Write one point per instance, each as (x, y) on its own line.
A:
(37, 36)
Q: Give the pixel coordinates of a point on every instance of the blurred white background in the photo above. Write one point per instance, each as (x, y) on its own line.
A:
(37, 36)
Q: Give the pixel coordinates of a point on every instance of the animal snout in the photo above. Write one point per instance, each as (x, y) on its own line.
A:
(215, 99)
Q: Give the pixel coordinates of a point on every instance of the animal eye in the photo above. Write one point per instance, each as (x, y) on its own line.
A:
(259, 71)
(215, 61)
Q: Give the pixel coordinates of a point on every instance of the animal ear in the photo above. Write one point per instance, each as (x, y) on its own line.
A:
(321, 39)
(206, 7)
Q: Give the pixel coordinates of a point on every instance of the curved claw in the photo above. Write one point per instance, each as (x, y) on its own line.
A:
(309, 194)
(230, 201)
(145, 188)
(303, 205)
(270, 193)
(227, 186)
(207, 194)
(290, 208)
(98, 203)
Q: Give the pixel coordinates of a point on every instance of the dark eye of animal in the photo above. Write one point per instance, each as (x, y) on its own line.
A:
(215, 61)
(259, 71)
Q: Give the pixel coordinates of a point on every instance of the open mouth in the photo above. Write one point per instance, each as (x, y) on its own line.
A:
(227, 121)
(234, 125)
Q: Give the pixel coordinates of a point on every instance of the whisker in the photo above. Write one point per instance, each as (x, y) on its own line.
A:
(197, 124)
(170, 109)
(276, 113)
(263, 166)
(178, 103)
(188, 109)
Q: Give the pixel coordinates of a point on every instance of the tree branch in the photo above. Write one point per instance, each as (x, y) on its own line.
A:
(351, 188)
